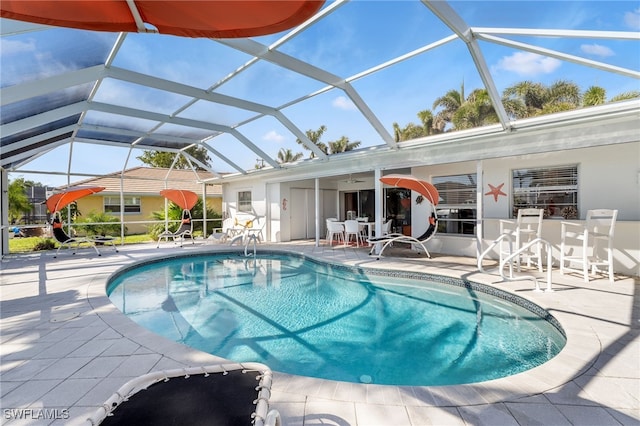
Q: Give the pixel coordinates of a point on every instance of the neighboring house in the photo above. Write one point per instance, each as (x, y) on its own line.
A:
(141, 188)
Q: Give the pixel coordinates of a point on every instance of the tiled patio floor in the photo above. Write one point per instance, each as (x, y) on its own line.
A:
(66, 349)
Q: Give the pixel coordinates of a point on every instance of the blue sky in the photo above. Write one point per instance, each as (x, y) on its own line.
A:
(358, 36)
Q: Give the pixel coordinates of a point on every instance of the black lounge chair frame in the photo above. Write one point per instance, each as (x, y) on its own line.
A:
(224, 394)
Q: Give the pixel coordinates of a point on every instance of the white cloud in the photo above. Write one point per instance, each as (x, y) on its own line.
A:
(597, 50)
(341, 102)
(528, 64)
(632, 19)
(273, 136)
(9, 47)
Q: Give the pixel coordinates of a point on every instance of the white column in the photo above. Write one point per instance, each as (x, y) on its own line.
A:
(479, 207)
(379, 214)
(317, 195)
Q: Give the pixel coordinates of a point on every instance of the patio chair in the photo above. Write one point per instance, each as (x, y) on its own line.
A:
(596, 234)
(183, 232)
(225, 394)
(246, 230)
(335, 230)
(386, 228)
(352, 228)
(391, 238)
(65, 240)
(526, 228)
(327, 220)
(223, 234)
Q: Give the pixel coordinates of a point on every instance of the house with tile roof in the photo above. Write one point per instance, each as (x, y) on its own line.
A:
(141, 188)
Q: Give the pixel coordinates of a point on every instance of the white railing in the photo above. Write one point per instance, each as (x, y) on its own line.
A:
(250, 237)
(512, 255)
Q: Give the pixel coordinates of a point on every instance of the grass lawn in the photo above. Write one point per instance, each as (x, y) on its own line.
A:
(30, 244)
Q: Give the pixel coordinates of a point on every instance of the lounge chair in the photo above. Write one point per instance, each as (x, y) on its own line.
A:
(389, 239)
(226, 394)
(183, 232)
(65, 240)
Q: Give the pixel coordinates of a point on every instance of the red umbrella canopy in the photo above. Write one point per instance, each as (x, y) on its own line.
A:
(62, 199)
(411, 182)
(188, 18)
(183, 198)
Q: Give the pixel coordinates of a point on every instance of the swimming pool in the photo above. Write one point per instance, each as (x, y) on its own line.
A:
(310, 318)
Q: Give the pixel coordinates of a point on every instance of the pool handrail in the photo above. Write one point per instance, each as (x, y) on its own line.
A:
(512, 255)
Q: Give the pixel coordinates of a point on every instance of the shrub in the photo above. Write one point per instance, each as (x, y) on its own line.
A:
(174, 213)
(44, 244)
(100, 228)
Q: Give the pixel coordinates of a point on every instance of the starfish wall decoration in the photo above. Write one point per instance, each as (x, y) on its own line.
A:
(496, 191)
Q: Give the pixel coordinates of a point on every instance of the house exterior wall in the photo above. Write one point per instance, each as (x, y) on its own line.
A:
(608, 178)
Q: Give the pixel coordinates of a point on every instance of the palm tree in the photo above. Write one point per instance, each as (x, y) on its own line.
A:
(594, 95)
(410, 131)
(625, 96)
(426, 118)
(449, 103)
(528, 99)
(414, 131)
(564, 92)
(314, 136)
(287, 156)
(343, 145)
(524, 98)
(476, 111)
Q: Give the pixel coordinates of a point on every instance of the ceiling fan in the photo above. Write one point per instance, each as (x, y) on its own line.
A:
(352, 180)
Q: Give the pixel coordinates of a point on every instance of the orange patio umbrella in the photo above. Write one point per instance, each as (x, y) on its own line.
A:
(411, 182)
(182, 197)
(188, 18)
(62, 199)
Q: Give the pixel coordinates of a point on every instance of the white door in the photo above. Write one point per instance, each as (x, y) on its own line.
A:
(303, 212)
(302, 207)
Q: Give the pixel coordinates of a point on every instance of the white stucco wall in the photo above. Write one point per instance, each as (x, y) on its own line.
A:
(609, 177)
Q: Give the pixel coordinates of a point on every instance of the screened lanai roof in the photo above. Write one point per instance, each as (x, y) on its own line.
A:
(87, 103)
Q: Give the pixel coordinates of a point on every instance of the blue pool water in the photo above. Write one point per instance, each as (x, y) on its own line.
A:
(313, 319)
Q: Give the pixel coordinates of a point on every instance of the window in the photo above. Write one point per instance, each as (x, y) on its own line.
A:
(554, 189)
(457, 207)
(244, 201)
(131, 205)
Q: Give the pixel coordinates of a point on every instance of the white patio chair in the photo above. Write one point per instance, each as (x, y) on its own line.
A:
(526, 228)
(221, 235)
(364, 229)
(386, 228)
(595, 236)
(327, 220)
(335, 230)
(352, 228)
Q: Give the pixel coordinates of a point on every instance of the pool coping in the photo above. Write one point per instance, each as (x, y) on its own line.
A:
(581, 349)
